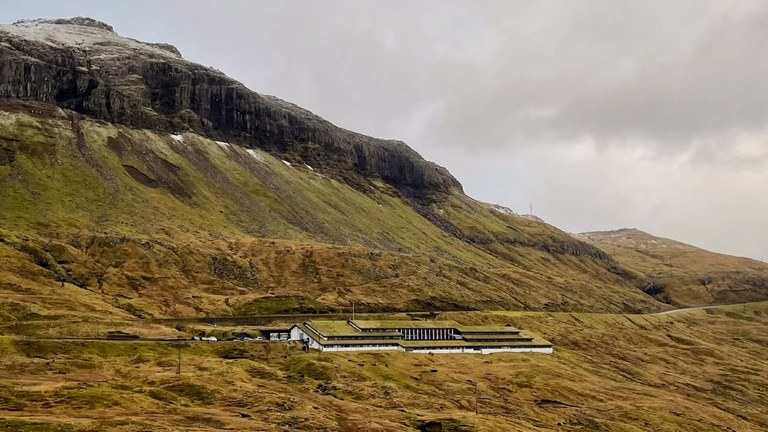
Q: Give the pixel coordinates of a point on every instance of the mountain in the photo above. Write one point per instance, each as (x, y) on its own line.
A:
(684, 275)
(83, 65)
(135, 182)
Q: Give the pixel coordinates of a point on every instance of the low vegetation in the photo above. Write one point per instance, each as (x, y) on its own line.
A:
(684, 275)
(106, 230)
(103, 219)
(690, 371)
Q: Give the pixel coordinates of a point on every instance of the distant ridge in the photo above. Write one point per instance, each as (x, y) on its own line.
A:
(681, 274)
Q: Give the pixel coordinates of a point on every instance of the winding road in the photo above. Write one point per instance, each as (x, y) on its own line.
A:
(674, 311)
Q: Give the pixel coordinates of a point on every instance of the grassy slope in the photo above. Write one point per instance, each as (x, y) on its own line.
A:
(689, 276)
(147, 225)
(608, 373)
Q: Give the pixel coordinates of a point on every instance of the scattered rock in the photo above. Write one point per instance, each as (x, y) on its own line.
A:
(554, 403)
(7, 156)
(444, 425)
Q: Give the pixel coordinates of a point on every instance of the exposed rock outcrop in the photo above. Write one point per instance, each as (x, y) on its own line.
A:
(81, 64)
(7, 156)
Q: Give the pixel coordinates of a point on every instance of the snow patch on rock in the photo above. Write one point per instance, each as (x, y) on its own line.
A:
(498, 208)
(254, 154)
(83, 33)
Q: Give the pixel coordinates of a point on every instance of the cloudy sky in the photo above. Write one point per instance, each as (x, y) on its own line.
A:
(601, 114)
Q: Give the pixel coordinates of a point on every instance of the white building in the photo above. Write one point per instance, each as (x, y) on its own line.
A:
(436, 337)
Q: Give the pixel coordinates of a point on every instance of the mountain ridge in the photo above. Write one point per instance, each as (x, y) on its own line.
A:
(164, 187)
(81, 64)
(681, 274)
(169, 225)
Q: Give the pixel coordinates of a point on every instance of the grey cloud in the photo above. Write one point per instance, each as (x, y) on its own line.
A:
(663, 83)
(505, 74)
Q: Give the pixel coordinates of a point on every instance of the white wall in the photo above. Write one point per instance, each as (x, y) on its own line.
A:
(481, 351)
(358, 348)
(435, 351)
(547, 350)
(298, 334)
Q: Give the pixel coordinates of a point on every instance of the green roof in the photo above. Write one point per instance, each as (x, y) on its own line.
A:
(341, 328)
(392, 324)
(489, 329)
(503, 337)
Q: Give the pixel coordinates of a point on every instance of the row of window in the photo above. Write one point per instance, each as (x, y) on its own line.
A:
(360, 346)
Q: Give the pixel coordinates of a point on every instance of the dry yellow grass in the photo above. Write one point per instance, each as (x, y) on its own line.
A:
(138, 223)
(684, 275)
(702, 370)
(132, 224)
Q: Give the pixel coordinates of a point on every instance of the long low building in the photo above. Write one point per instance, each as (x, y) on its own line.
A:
(437, 337)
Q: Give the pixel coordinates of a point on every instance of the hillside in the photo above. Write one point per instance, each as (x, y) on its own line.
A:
(692, 371)
(83, 65)
(681, 274)
(158, 225)
(135, 182)
(146, 199)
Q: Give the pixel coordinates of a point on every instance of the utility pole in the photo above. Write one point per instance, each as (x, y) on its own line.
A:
(353, 311)
(476, 395)
(178, 364)
(531, 209)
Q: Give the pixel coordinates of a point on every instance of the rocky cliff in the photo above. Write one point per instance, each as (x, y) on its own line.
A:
(104, 137)
(83, 65)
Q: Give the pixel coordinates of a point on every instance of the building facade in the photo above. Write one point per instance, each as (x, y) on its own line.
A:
(433, 337)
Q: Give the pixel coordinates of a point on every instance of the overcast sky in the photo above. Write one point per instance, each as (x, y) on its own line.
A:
(602, 114)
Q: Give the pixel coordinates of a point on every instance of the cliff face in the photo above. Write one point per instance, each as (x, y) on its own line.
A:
(179, 225)
(81, 64)
(102, 135)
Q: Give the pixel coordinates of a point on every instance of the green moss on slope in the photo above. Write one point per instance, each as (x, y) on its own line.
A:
(165, 225)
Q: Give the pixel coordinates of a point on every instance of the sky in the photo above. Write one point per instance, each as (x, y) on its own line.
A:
(600, 114)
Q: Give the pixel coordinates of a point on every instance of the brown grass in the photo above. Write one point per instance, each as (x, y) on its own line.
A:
(208, 229)
(684, 275)
(695, 371)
